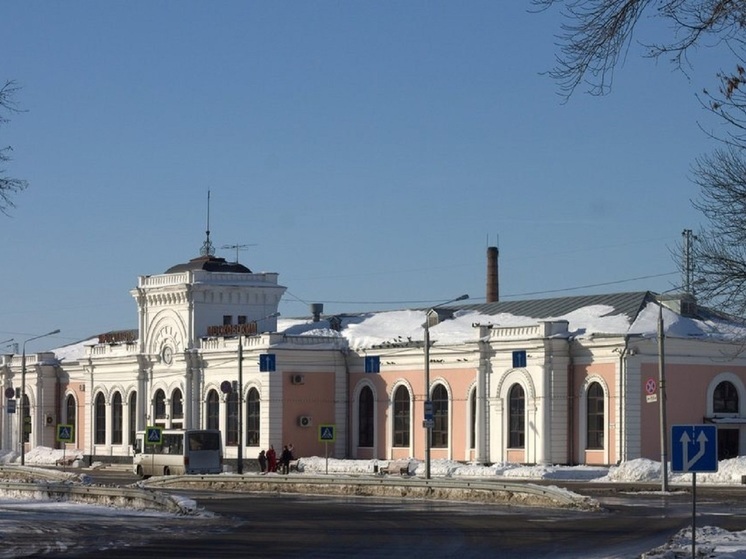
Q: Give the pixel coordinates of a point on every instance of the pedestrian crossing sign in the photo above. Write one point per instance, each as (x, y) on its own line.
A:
(153, 435)
(326, 433)
(65, 433)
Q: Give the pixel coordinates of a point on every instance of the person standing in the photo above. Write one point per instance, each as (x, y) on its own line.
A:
(271, 459)
(285, 459)
(262, 461)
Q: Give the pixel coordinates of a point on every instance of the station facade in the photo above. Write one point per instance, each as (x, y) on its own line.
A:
(540, 390)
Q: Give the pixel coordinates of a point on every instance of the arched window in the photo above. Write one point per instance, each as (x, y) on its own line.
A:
(595, 416)
(177, 405)
(401, 417)
(473, 412)
(253, 418)
(160, 405)
(132, 427)
(440, 416)
(725, 398)
(71, 411)
(213, 410)
(231, 419)
(26, 415)
(517, 419)
(117, 419)
(99, 415)
(365, 431)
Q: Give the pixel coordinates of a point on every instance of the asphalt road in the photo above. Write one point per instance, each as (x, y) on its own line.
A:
(264, 525)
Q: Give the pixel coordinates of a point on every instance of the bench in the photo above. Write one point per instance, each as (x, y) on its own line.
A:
(400, 467)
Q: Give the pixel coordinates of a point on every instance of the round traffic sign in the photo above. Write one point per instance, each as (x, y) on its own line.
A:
(226, 387)
(10, 392)
(651, 386)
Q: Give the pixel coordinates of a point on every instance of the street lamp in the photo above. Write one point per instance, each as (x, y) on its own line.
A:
(662, 399)
(239, 456)
(428, 406)
(662, 389)
(23, 390)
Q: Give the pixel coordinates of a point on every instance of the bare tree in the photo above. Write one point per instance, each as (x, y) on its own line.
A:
(8, 185)
(595, 38)
(597, 34)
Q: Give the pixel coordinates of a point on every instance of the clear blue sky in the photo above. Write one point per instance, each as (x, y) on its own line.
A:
(369, 152)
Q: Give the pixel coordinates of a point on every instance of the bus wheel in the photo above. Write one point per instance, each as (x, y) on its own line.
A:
(166, 471)
(140, 473)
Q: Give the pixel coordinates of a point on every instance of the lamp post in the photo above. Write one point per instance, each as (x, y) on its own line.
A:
(428, 405)
(239, 456)
(662, 399)
(23, 391)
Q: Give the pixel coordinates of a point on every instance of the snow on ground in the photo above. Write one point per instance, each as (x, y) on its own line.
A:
(711, 542)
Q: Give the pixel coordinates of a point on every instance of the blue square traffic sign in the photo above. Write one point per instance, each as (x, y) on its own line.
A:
(694, 448)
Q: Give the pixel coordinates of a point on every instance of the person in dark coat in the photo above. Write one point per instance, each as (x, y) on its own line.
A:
(271, 459)
(285, 459)
(262, 461)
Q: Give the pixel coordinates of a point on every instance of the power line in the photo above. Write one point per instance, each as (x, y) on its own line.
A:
(423, 302)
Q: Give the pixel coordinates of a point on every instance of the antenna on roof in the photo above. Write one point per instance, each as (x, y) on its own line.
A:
(238, 247)
(207, 248)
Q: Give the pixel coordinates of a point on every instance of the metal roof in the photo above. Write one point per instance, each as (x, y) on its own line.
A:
(629, 304)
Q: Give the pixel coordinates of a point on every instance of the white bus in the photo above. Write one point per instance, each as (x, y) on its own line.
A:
(190, 451)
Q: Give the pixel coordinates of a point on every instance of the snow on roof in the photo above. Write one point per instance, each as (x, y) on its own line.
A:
(366, 330)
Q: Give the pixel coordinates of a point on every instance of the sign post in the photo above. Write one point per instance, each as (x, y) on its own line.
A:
(64, 436)
(694, 449)
(153, 436)
(327, 434)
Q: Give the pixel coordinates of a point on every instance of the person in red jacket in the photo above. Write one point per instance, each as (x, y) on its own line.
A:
(271, 459)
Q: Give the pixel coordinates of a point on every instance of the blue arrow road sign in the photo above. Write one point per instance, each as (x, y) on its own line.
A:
(694, 448)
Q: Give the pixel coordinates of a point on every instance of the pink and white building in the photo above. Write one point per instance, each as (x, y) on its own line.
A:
(570, 380)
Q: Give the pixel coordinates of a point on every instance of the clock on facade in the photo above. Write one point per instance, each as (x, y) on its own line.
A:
(167, 355)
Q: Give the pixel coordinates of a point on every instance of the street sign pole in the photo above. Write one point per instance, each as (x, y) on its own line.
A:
(694, 512)
(694, 449)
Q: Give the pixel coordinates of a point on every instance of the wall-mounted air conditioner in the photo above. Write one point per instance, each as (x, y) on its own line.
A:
(305, 421)
(297, 379)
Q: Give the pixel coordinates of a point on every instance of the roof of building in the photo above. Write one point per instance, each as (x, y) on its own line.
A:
(629, 304)
(209, 263)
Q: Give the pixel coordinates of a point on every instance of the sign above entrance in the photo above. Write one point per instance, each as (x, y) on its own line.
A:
(247, 329)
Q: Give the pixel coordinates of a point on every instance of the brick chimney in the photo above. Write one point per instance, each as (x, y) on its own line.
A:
(493, 282)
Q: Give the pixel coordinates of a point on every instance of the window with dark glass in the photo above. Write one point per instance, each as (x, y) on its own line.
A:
(177, 405)
(253, 418)
(26, 415)
(231, 419)
(401, 417)
(365, 431)
(725, 398)
(596, 416)
(517, 418)
(160, 404)
(132, 427)
(440, 417)
(71, 411)
(473, 412)
(117, 419)
(213, 410)
(227, 320)
(99, 416)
